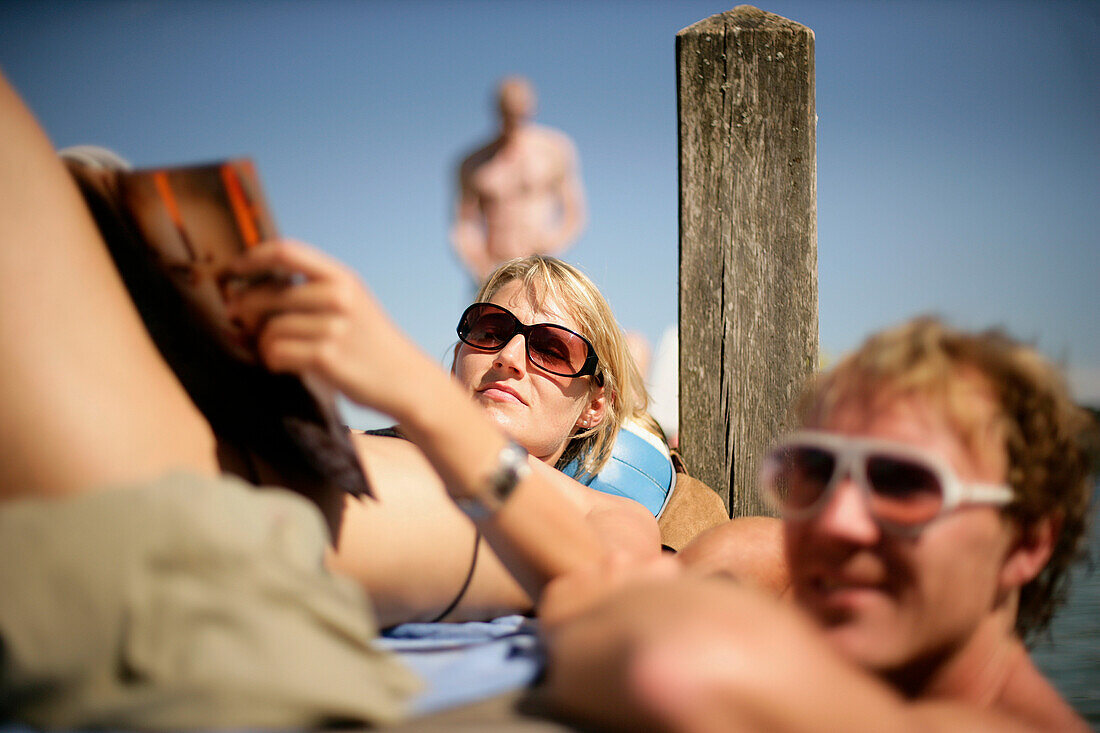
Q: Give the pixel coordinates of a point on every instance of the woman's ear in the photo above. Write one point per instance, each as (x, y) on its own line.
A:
(1031, 551)
(594, 410)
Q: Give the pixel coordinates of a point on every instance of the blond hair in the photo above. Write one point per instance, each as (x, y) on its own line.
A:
(547, 278)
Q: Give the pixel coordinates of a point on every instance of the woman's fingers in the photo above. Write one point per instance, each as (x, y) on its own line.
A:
(326, 323)
(253, 305)
(300, 342)
(286, 256)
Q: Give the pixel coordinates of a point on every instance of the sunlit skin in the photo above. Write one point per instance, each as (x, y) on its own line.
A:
(520, 193)
(897, 604)
(537, 409)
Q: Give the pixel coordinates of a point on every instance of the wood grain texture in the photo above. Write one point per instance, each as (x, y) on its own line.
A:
(748, 240)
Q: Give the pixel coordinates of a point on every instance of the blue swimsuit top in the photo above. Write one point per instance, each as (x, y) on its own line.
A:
(640, 468)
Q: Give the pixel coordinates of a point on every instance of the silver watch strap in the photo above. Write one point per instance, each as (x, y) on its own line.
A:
(511, 468)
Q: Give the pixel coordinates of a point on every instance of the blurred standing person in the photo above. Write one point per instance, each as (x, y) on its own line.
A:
(521, 193)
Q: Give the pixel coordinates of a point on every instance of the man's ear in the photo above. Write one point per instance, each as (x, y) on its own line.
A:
(1031, 551)
(594, 410)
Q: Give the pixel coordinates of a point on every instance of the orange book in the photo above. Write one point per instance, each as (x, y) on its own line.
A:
(196, 220)
(172, 233)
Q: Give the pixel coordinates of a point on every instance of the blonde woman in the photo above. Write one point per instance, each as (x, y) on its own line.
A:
(542, 354)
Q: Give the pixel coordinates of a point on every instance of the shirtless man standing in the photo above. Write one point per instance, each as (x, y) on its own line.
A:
(521, 193)
(933, 501)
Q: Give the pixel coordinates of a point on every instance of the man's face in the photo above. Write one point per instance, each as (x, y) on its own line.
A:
(516, 103)
(888, 601)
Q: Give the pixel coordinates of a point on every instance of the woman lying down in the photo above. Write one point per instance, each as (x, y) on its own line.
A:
(543, 356)
(142, 589)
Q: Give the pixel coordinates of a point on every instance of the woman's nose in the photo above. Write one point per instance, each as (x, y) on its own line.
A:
(847, 514)
(513, 355)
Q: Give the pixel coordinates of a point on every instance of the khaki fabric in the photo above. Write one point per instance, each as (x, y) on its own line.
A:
(186, 603)
(519, 711)
(692, 509)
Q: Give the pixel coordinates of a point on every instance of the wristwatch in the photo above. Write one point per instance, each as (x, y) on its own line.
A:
(511, 468)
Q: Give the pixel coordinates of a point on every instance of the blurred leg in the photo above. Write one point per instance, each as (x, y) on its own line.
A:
(85, 398)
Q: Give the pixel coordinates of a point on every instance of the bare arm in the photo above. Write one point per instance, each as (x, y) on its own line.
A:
(624, 526)
(572, 214)
(701, 655)
(468, 235)
(412, 548)
(331, 328)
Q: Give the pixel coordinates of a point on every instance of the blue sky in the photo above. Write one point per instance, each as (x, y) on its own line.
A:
(958, 154)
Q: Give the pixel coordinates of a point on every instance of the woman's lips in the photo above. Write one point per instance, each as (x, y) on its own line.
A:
(501, 393)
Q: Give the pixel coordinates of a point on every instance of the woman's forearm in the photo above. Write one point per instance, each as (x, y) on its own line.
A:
(536, 534)
(330, 327)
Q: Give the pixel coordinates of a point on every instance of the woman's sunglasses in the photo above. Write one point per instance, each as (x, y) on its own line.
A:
(550, 347)
(905, 488)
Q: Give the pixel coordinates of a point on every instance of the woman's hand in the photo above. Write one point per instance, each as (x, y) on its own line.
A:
(327, 325)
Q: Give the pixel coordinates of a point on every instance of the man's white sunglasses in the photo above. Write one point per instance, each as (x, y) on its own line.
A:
(905, 487)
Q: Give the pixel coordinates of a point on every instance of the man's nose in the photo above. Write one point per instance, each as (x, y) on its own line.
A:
(513, 355)
(847, 514)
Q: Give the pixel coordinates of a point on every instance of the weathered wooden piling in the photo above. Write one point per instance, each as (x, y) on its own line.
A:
(748, 240)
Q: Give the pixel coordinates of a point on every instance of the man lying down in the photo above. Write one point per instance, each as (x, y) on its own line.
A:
(933, 499)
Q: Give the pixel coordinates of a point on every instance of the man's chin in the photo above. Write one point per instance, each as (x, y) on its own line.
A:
(871, 649)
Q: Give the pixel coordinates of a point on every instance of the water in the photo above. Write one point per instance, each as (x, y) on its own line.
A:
(1071, 659)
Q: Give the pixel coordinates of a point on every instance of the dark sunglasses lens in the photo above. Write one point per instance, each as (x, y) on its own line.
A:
(903, 491)
(557, 350)
(801, 475)
(487, 328)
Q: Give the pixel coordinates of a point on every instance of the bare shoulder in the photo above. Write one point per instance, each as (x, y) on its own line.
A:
(1024, 701)
(749, 549)
(382, 446)
(392, 463)
(555, 139)
(1029, 697)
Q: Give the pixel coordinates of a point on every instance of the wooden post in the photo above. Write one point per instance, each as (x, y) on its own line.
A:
(748, 240)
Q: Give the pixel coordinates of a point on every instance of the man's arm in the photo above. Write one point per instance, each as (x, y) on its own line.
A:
(468, 235)
(571, 203)
(685, 653)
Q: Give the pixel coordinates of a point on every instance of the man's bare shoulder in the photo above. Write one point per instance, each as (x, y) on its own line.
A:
(1029, 697)
(1020, 698)
(749, 549)
(552, 138)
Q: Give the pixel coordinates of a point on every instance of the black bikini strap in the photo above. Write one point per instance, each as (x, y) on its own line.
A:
(465, 584)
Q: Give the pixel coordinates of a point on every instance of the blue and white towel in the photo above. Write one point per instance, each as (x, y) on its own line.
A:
(467, 662)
